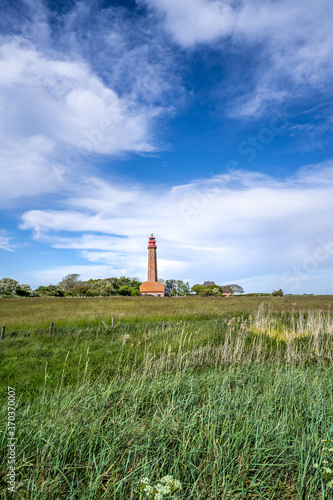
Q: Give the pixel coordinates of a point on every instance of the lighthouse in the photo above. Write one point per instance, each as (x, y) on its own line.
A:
(152, 286)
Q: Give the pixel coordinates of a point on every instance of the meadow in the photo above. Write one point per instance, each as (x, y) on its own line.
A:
(232, 396)
(25, 312)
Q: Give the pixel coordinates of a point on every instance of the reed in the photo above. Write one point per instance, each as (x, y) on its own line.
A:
(232, 408)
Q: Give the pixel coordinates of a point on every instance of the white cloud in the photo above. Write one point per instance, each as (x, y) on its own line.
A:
(229, 227)
(68, 102)
(291, 41)
(57, 113)
(5, 242)
(27, 169)
(195, 21)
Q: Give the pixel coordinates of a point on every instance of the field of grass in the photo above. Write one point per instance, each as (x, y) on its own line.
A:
(233, 401)
(65, 310)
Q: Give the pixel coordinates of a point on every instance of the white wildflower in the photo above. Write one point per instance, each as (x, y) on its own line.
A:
(166, 487)
(166, 479)
(148, 489)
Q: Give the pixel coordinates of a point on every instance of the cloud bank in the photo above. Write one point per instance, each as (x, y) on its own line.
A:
(231, 227)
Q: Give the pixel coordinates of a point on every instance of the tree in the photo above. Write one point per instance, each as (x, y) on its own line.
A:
(69, 281)
(25, 291)
(207, 290)
(232, 289)
(102, 287)
(49, 291)
(175, 288)
(8, 286)
(277, 293)
(182, 288)
(197, 288)
(124, 290)
(80, 289)
(169, 286)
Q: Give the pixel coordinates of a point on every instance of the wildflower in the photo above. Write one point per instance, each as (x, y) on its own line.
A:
(148, 490)
(166, 487)
(163, 489)
(166, 479)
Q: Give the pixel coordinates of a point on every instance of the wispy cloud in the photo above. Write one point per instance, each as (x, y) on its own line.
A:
(230, 227)
(5, 242)
(289, 41)
(85, 88)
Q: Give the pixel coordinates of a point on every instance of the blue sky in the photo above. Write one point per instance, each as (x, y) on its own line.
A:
(206, 122)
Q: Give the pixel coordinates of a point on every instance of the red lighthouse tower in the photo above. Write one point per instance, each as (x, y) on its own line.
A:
(152, 286)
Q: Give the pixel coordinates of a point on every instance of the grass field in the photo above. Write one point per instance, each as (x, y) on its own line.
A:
(65, 310)
(231, 396)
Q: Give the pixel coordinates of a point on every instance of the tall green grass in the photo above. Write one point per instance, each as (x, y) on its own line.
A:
(235, 407)
(240, 432)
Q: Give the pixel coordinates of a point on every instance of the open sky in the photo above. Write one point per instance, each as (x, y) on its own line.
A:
(206, 122)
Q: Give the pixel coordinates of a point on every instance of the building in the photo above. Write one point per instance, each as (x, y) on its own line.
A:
(152, 286)
(209, 283)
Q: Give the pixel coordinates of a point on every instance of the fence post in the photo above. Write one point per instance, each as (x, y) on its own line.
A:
(51, 329)
(2, 332)
(112, 322)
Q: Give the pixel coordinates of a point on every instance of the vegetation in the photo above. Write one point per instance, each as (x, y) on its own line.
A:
(232, 405)
(216, 290)
(72, 286)
(91, 311)
(176, 288)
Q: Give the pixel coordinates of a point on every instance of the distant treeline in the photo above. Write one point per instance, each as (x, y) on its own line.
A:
(72, 286)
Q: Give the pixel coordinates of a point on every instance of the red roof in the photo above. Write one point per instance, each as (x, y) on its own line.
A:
(153, 286)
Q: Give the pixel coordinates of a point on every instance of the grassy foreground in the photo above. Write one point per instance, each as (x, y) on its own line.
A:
(234, 407)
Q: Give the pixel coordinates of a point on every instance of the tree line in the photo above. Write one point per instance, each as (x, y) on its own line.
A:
(72, 286)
